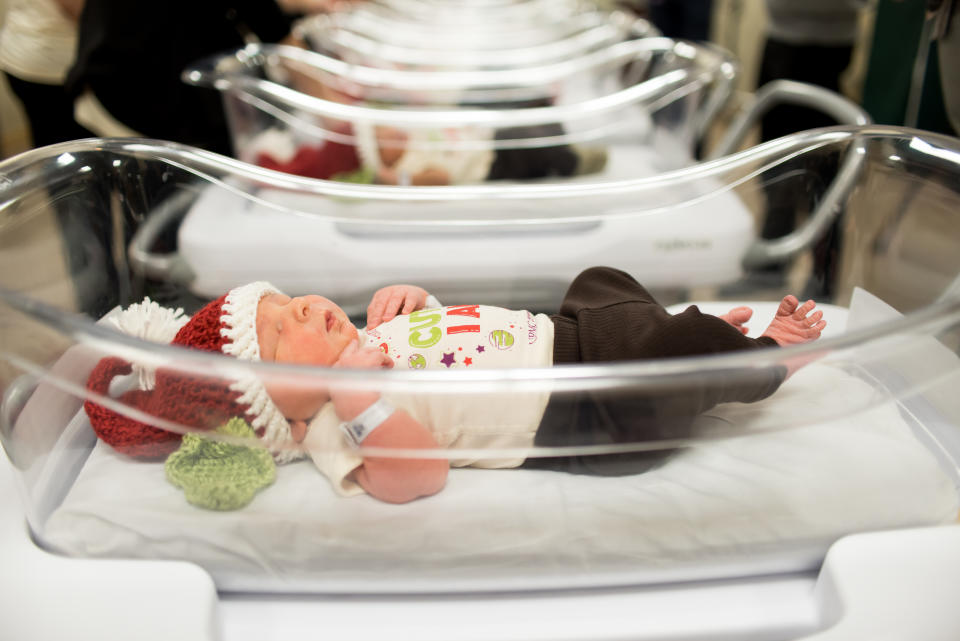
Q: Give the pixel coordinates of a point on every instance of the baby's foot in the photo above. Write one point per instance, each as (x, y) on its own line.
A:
(793, 323)
(737, 317)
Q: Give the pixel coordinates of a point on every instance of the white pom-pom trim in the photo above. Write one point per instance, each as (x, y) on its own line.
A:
(239, 319)
(239, 325)
(365, 141)
(151, 322)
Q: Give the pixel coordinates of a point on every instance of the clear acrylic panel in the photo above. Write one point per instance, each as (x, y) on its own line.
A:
(329, 35)
(632, 109)
(189, 427)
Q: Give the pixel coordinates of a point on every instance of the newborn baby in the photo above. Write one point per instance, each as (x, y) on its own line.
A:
(605, 316)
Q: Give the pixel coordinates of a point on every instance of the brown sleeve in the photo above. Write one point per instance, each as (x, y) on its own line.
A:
(693, 333)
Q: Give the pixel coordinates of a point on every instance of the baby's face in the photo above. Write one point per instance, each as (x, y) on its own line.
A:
(310, 330)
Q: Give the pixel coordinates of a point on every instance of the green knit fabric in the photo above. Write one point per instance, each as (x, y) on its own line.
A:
(220, 475)
(363, 176)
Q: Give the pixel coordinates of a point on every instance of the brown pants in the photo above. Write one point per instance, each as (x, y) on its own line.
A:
(607, 316)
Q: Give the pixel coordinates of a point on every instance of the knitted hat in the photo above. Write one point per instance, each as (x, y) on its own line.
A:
(219, 475)
(227, 325)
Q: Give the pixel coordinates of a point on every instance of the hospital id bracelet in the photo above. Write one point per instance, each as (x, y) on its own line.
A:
(366, 421)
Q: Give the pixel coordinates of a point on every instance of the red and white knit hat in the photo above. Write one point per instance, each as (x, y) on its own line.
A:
(227, 325)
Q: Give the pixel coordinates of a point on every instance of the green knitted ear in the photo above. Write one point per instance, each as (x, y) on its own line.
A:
(363, 176)
(218, 475)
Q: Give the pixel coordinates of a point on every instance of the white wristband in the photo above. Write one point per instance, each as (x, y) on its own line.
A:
(366, 421)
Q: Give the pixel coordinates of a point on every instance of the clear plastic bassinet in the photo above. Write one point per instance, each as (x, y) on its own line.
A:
(401, 43)
(630, 109)
(862, 437)
(709, 245)
(465, 26)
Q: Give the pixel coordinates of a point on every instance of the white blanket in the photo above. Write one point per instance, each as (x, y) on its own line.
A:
(771, 501)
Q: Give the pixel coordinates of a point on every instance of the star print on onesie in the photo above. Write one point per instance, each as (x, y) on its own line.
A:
(451, 338)
(479, 336)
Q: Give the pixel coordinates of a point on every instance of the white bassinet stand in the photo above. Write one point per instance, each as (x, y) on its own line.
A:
(314, 250)
(893, 585)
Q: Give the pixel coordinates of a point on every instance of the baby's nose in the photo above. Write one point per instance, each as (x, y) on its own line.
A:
(301, 308)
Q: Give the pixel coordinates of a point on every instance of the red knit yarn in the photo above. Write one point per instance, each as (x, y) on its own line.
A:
(315, 162)
(123, 433)
(203, 329)
(193, 401)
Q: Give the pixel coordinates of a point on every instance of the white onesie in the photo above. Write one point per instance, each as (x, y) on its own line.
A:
(446, 338)
(466, 154)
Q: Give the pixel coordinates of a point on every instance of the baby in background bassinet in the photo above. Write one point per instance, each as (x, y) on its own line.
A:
(421, 157)
(605, 316)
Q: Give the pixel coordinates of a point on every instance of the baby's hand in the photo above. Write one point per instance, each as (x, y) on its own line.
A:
(363, 357)
(347, 402)
(390, 301)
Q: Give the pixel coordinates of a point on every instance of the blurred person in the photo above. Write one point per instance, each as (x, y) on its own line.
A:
(950, 66)
(126, 81)
(683, 19)
(37, 46)
(126, 78)
(809, 42)
(912, 77)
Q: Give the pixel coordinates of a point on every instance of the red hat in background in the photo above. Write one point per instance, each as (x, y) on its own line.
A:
(227, 325)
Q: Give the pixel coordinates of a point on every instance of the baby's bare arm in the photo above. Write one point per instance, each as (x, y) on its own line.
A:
(390, 479)
(400, 480)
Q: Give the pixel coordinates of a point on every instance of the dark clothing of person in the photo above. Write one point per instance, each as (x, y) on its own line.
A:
(607, 316)
(49, 111)
(685, 19)
(131, 55)
(787, 195)
(819, 65)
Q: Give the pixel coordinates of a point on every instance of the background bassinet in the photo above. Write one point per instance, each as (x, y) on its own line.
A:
(543, 233)
(358, 37)
(647, 102)
(862, 443)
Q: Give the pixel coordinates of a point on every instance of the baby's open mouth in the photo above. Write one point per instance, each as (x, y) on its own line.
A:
(331, 322)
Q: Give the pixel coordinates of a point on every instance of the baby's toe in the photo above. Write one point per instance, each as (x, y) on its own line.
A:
(740, 314)
(787, 305)
(804, 309)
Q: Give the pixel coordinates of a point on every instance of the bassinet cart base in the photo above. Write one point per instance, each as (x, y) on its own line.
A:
(858, 594)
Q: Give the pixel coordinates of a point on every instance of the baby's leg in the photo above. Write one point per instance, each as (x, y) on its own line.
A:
(794, 323)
